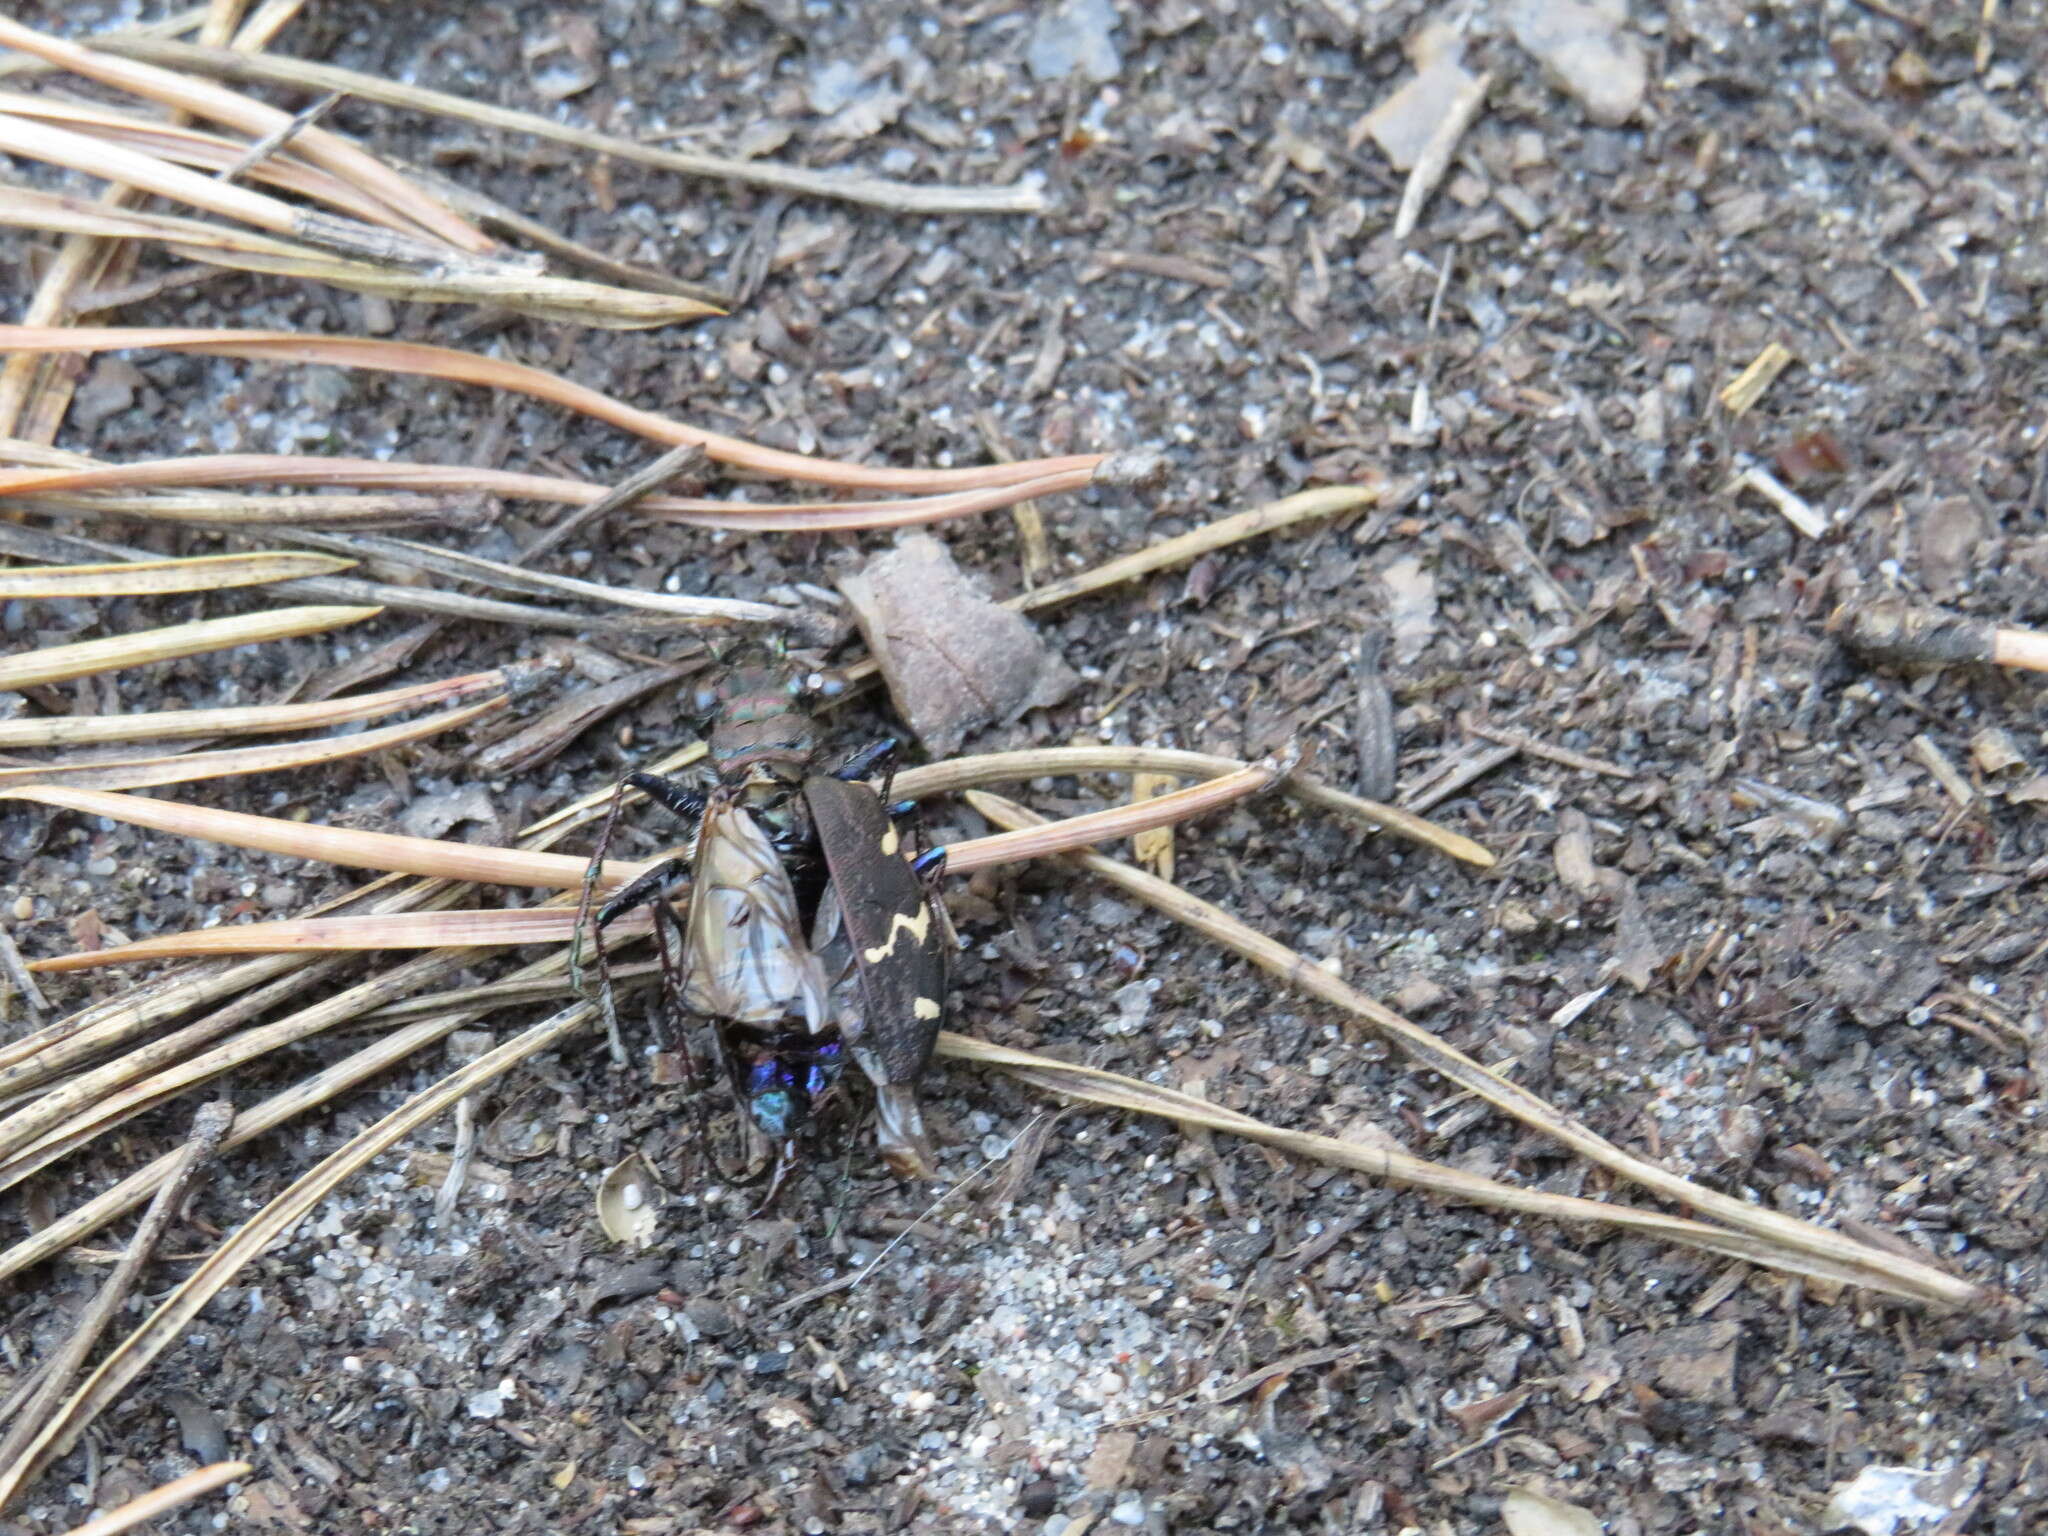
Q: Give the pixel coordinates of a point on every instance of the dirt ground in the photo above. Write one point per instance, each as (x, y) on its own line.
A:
(1834, 1010)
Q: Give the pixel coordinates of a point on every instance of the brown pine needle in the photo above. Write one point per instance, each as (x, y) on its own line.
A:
(1847, 1262)
(205, 573)
(209, 152)
(1298, 971)
(164, 1500)
(188, 767)
(244, 720)
(217, 104)
(474, 928)
(472, 368)
(1120, 821)
(61, 663)
(333, 845)
(851, 187)
(468, 861)
(1038, 762)
(326, 469)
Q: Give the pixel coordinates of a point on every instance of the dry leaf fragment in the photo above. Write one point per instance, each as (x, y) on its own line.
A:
(1993, 751)
(1573, 854)
(953, 660)
(1411, 607)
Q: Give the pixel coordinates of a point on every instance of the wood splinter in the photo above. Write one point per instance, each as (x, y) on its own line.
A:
(1903, 633)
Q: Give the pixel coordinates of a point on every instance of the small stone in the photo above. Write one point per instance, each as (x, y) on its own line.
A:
(1038, 1499)
(1075, 37)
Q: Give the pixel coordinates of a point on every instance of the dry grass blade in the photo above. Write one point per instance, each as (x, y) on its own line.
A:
(1865, 1267)
(471, 368)
(1296, 970)
(70, 1112)
(164, 1500)
(333, 845)
(449, 1010)
(219, 105)
(476, 928)
(204, 573)
(60, 663)
(161, 1329)
(188, 767)
(1000, 767)
(244, 720)
(67, 1116)
(851, 187)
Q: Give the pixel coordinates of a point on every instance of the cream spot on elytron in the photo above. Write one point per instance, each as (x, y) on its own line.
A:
(925, 1008)
(917, 927)
(889, 842)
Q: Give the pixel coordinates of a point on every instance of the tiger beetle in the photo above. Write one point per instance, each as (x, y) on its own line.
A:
(809, 935)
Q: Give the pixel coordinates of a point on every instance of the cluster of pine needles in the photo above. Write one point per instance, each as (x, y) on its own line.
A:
(206, 177)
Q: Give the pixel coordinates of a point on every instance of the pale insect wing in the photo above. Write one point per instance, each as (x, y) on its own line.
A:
(748, 959)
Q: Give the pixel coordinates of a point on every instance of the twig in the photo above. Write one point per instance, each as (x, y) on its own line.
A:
(1543, 749)
(658, 476)
(1470, 769)
(39, 1436)
(279, 136)
(19, 976)
(1903, 633)
(1435, 156)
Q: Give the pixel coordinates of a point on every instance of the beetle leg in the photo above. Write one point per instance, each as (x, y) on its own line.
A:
(671, 944)
(680, 800)
(876, 757)
(590, 873)
(785, 1161)
(930, 866)
(643, 890)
